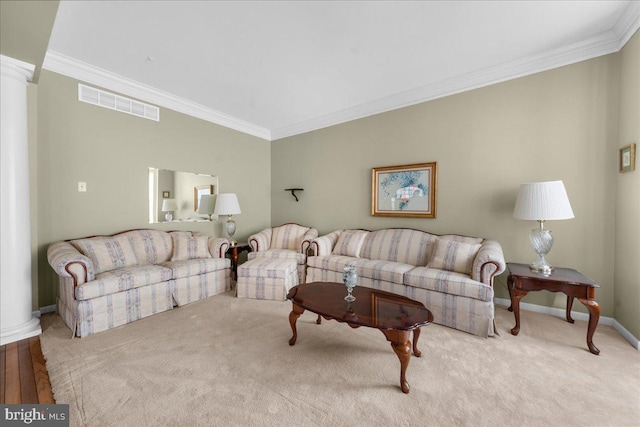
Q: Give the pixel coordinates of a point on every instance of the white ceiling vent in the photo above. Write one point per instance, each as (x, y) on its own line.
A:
(112, 101)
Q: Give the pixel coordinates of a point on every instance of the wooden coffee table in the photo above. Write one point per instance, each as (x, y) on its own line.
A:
(394, 315)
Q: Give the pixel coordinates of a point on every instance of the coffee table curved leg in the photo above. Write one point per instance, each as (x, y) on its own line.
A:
(293, 318)
(402, 347)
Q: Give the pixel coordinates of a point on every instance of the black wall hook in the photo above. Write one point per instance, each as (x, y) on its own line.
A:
(293, 191)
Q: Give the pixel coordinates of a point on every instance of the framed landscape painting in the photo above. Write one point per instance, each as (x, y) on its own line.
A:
(404, 191)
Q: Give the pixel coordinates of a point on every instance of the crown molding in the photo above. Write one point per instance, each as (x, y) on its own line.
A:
(70, 67)
(628, 23)
(16, 66)
(603, 44)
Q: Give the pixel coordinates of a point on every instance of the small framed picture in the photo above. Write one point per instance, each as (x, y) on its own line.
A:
(627, 160)
(166, 194)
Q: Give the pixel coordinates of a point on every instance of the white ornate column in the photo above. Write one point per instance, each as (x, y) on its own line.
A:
(16, 319)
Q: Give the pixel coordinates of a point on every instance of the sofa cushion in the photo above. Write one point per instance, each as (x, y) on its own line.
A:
(398, 245)
(448, 282)
(151, 246)
(278, 253)
(288, 236)
(333, 262)
(350, 243)
(454, 256)
(383, 270)
(122, 279)
(187, 246)
(108, 253)
(194, 267)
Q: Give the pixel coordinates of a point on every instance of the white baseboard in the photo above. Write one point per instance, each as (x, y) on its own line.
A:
(559, 312)
(626, 334)
(46, 309)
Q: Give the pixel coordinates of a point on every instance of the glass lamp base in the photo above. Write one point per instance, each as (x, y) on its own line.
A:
(230, 227)
(544, 269)
(541, 242)
(168, 217)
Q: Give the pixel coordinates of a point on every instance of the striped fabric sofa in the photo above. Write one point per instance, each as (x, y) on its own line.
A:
(451, 275)
(108, 281)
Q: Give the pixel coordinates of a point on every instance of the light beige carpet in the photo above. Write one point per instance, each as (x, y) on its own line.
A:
(226, 361)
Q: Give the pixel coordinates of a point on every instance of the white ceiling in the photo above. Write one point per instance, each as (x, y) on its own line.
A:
(275, 69)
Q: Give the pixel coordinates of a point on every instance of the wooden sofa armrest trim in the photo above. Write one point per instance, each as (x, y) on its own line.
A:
(307, 240)
(496, 268)
(262, 237)
(77, 280)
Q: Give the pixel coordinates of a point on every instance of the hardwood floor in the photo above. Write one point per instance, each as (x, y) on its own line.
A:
(24, 374)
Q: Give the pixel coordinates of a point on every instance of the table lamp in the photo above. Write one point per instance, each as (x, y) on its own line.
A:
(542, 201)
(207, 205)
(168, 206)
(227, 204)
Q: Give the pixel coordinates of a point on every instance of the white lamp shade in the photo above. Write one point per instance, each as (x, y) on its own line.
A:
(169, 205)
(207, 204)
(543, 201)
(227, 204)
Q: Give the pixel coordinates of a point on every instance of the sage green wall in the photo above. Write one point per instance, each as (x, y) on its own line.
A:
(112, 151)
(554, 125)
(627, 248)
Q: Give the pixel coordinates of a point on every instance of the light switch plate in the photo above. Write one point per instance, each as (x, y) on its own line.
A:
(82, 186)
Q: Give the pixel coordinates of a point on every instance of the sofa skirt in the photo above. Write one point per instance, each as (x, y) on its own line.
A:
(117, 309)
(190, 289)
(110, 311)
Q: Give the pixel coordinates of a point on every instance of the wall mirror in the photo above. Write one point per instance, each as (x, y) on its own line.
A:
(178, 194)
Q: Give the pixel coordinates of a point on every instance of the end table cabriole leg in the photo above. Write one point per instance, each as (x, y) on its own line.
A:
(416, 335)
(293, 317)
(402, 347)
(516, 295)
(510, 289)
(319, 319)
(594, 316)
(569, 306)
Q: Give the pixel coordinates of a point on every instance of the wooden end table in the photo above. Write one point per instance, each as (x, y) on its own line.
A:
(570, 282)
(234, 253)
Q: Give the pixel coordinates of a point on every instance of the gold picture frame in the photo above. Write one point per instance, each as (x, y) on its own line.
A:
(404, 191)
(627, 158)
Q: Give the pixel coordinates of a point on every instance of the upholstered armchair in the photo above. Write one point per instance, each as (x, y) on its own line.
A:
(285, 241)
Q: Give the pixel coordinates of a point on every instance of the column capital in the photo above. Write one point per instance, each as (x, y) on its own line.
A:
(16, 68)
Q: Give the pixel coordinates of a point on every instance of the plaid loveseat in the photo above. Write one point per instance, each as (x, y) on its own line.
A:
(108, 281)
(451, 275)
